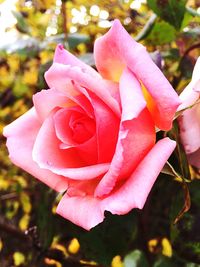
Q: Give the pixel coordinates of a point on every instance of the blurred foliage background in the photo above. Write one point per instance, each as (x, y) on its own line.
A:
(31, 234)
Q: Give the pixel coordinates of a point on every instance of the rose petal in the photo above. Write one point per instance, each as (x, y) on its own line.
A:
(63, 56)
(195, 75)
(87, 150)
(63, 122)
(136, 134)
(55, 98)
(189, 124)
(58, 77)
(106, 122)
(87, 211)
(188, 96)
(132, 99)
(194, 158)
(134, 192)
(115, 50)
(21, 135)
(48, 155)
(190, 136)
(52, 98)
(191, 93)
(83, 211)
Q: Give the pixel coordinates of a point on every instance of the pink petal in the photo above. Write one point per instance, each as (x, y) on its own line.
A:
(21, 135)
(194, 158)
(191, 93)
(83, 211)
(52, 98)
(115, 50)
(87, 211)
(195, 75)
(134, 192)
(189, 124)
(48, 155)
(56, 98)
(189, 121)
(107, 129)
(58, 77)
(136, 134)
(63, 122)
(87, 150)
(188, 97)
(63, 56)
(132, 99)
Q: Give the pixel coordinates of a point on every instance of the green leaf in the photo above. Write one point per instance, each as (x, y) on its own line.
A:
(135, 259)
(110, 238)
(158, 34)
(75, 39)
(169, 170)
(165, 262)
(188, 227)
(171, 11)
(190, 264)
(22, 26)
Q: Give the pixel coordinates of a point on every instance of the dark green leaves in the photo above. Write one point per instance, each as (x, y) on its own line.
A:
(171, 11)
(22, 26)
(158, 34)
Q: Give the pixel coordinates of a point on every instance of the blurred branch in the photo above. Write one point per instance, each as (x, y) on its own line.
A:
(195, 46)
(177, 79)
(147, 28)
(12, 230)
(9, 196)
(64, 14)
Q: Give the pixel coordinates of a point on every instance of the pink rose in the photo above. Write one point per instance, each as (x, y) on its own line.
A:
(93, 134)
(189, 121)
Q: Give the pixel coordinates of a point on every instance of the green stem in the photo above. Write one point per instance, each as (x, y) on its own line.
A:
(147, 28)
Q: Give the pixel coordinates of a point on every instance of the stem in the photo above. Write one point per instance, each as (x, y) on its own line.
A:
(12, 230)
(195, 46)
(64, 15)
(147, 28)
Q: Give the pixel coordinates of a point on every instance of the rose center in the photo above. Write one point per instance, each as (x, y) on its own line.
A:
(82, 129)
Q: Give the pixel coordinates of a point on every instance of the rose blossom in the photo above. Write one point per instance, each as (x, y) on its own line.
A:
(92, 135)
(189, 121)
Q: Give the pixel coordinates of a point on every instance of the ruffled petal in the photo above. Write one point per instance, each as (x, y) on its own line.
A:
(189, 124)
(46, 100)
(116, 50)
(133, 193)
(136, 135)
(106, 122)
(87, 211)
(194, 158)
(58, 77)
(48, 155)
(63, 56)
(21, 135)
(191, 93)
(189, 120)
(83, 211)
